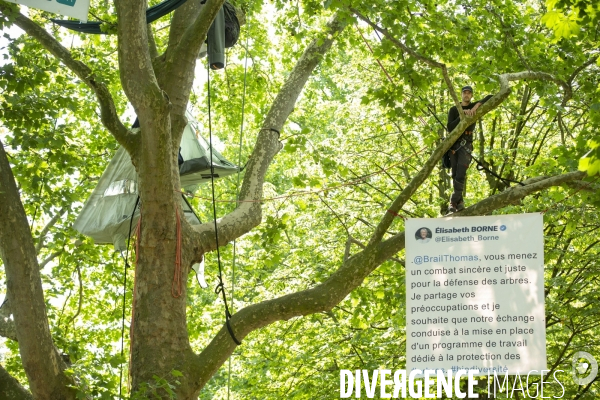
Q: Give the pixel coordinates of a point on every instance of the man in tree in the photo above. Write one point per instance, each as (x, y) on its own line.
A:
(460, 152)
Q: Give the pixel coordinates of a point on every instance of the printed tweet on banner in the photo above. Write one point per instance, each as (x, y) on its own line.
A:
(475, 294)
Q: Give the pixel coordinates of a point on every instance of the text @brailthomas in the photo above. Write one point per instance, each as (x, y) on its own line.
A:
(417, 384)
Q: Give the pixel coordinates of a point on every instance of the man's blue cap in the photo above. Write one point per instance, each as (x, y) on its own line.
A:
(467, 88)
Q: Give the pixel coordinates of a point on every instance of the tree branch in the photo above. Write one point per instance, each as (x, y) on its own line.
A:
(540, 76)
(437, 154)
(583, 185)
(348, 277)
(195, 35)
(11, 389)
(151, 42)
(183, 18)
(108, 112)
(248, 214)
(49, 225)
(583, 66)
(135, 66)
(176, 72)
(51, 257)
(418, 56)
(41, 361)
(486, 206)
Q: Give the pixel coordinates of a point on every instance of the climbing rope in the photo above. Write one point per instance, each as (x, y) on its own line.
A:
(137, 201)
(237, 195)
(220, 289)
(353, 182)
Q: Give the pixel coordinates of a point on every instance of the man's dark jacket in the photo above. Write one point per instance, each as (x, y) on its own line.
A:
(454, 119)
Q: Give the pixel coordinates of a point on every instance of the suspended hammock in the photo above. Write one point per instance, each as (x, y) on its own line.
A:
(152, 14)
(106, 215)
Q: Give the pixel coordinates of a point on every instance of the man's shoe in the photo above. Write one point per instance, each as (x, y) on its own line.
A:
(460, 206)
(452, 209)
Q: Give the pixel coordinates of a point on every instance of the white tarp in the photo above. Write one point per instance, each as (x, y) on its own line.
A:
(475, 294)
(106, 216)
(71, 8)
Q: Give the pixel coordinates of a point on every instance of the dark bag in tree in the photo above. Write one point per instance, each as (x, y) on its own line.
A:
(446, 160)
(232, 25)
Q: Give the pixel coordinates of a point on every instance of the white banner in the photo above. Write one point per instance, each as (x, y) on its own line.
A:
(71, 8)
(475, 294)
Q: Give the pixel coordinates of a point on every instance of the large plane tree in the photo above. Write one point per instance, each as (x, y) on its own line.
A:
(366, 86)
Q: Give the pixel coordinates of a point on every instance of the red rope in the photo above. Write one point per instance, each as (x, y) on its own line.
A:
(378, 62)
(176, 288)
(395, 214)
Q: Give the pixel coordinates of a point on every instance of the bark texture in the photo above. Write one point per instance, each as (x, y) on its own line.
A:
(41, 361)
(11, 389)
(159, 89)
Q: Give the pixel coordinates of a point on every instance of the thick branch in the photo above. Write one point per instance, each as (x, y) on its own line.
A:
(195, 35)
(248, 213)
(108, 112)
(583, 185)
(135, 66)
(347, 278)
(541, 76)
(11, 389)
(183, 19)
(151, 42)
(41, 361)
(486, 206)
(437, 154)
(176, 71)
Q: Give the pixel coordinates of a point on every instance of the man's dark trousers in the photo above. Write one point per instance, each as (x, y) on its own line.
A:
(460, 159)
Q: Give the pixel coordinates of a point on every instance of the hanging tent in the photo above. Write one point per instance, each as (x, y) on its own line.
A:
(106, 216)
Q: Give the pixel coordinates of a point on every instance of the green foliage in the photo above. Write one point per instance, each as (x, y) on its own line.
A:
(353, 142)
(565, 17)
(580, 18)
(158, 388)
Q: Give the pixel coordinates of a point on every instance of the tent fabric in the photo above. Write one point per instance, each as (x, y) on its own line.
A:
(152, 14)
(195, 151)
(106, 215)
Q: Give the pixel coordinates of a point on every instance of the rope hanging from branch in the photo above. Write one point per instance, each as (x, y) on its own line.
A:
(220, 289)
